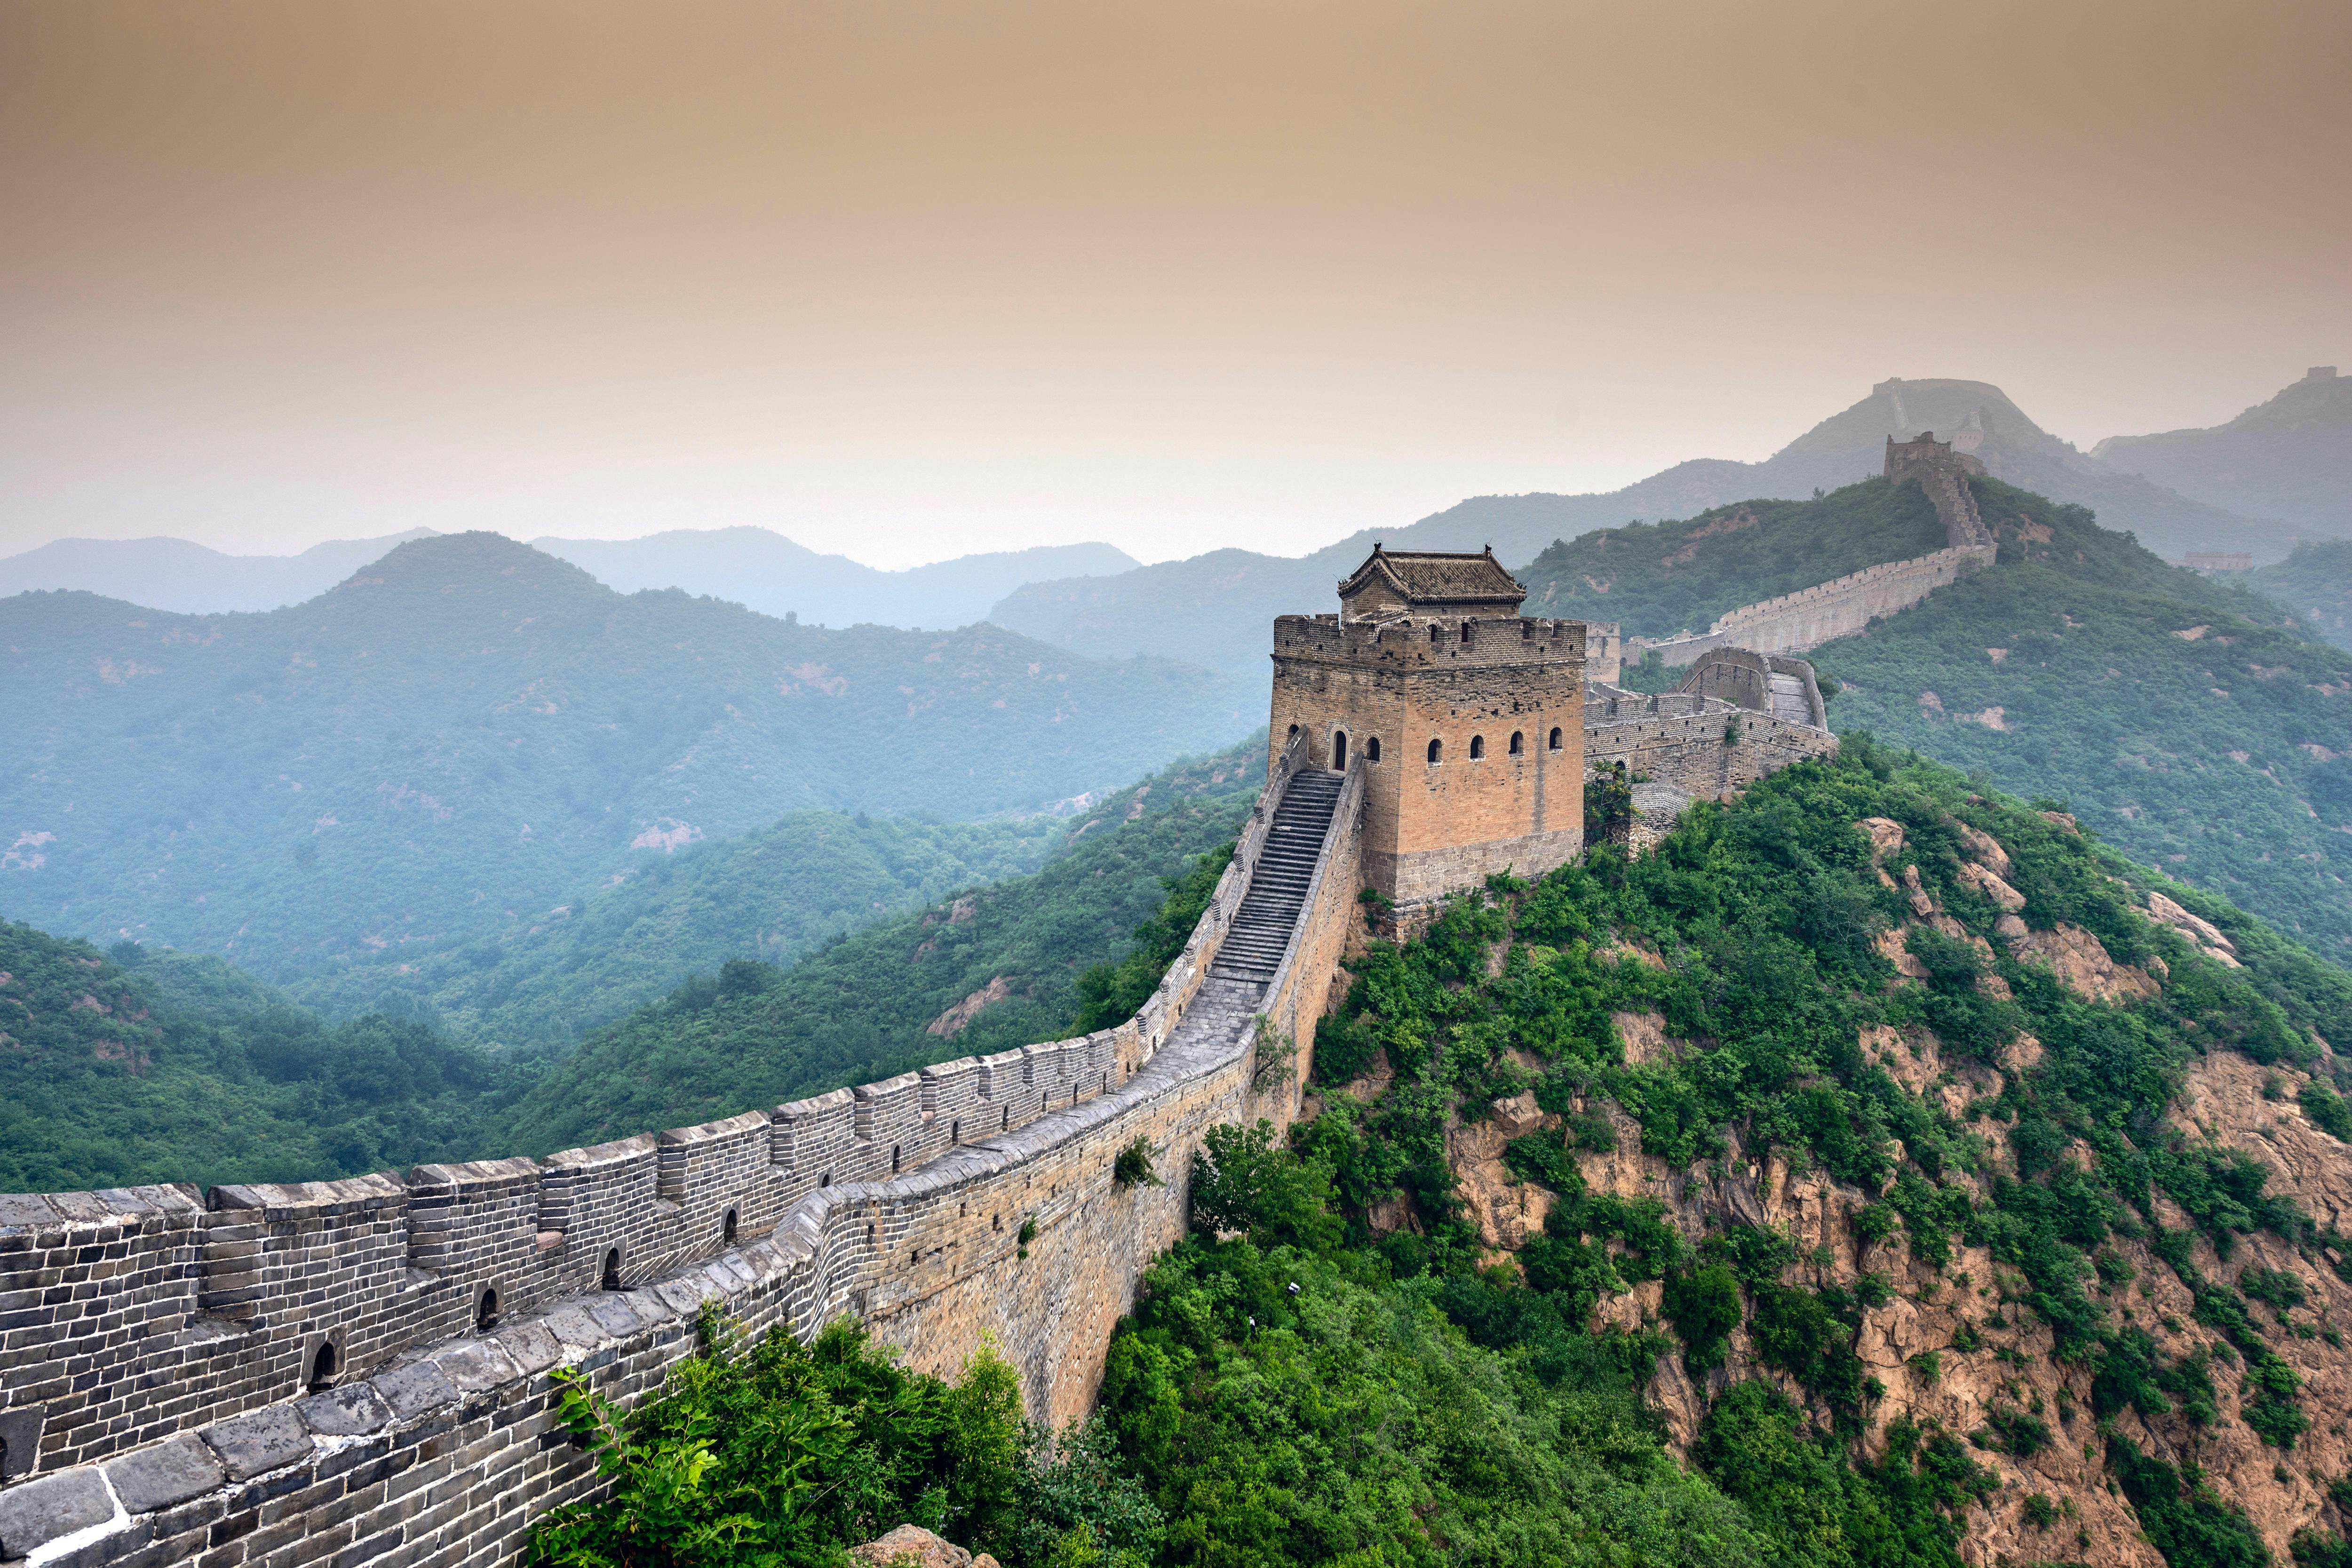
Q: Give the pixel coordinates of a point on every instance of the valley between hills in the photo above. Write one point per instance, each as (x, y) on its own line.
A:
(1936, 1155)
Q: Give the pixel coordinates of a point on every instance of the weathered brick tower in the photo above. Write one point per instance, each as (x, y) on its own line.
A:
(1467, 718)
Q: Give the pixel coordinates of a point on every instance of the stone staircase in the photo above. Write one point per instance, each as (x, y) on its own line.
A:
(1245, 962)
(1260, 933)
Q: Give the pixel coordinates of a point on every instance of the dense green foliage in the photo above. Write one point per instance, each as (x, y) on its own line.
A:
(773, 896)
(179, 1066)
(470, 732)
(1755, 932)
(1293, 1389)
(1657, 579)
(1009, 956)
(2178, 716)
(134, 1067)
(2316, 582)
(781, 1455)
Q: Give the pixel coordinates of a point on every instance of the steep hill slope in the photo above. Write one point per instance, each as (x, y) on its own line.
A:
(1978, 417)
(997, 967)
(180, 1069)
(2289, 458)
(763, 571)
(1954, 1191)
(2180, 717)
(2315, 581)
(462, 735)
(771, 895)
(1197, 609)
(1658, 579)
(190, 579)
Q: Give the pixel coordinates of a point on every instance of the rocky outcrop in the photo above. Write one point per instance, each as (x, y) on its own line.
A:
(912, 1546)
(1957, 1346)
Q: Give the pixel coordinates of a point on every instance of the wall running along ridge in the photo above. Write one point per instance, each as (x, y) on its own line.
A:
(1845, 606)
(1738, 717)
(158, 1346)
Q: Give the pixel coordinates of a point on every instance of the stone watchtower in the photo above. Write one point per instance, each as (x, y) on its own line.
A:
(1467, 718)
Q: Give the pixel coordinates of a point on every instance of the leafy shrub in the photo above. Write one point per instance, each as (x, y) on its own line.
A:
(2326, 1109)
(1704, 1307)
(2183, 1518)
(1132, 1168)
(786, 1453)
(1242, 1181)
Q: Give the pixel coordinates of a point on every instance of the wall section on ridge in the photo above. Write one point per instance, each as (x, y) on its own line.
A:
(157, 1371)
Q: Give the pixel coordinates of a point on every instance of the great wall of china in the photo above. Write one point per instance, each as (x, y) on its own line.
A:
(1845, 606)
(356, 1372)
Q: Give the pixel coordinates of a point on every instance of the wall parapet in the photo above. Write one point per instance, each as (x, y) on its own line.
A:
(1793, 623)
(288, 1364)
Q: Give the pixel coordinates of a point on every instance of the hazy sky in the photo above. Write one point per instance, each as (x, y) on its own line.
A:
(906, 280)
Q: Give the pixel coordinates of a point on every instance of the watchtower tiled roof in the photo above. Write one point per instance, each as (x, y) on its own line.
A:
(1432, 579)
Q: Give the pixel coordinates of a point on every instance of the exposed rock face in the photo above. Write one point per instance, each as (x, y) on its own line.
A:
(2203, 933)
(1958, 1346)
(912, 1546)
(2083, 965)
(952, 1021)
(1645, 1038)
(1507, 1210)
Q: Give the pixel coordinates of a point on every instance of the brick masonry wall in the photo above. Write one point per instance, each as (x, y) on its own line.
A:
(158, 1361)
(1686, 750)
(1432, 828)
(1845, 606)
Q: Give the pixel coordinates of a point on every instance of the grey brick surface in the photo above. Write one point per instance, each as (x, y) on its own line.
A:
(255, 1445)
(170, 1472)
(38, 1512)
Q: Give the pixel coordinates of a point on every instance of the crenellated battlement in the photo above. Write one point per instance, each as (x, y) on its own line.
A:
(253, 1293)
(173, 1362)
(1794, 623)
(1407, 642)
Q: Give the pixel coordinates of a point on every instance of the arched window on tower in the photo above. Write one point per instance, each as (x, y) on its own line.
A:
(1555, 738)
(1339, 751)
(1373, 749)
(1436, 752)
(1477, 747)
(1518, 744)
(1437, 633)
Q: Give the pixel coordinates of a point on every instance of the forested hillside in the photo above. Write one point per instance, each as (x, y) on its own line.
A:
(1659, 579)
(140, 1067)
(773, 896)
(1000, 966)
(1880, 1175)
(1934, 1176)
(2289, 457)
(2316, 582)
(2184, 718)
(460, 738)
(1214, 607)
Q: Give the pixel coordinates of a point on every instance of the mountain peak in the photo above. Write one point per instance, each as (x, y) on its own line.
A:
(471, 563)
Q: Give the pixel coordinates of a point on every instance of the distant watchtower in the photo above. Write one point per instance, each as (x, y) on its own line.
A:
(1467, 717)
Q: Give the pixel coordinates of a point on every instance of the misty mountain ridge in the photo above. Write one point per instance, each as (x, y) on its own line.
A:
(469, 729)
(2289, 458)
(764, 571)
(755, 567)
(175, 575)
(1204, 603)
